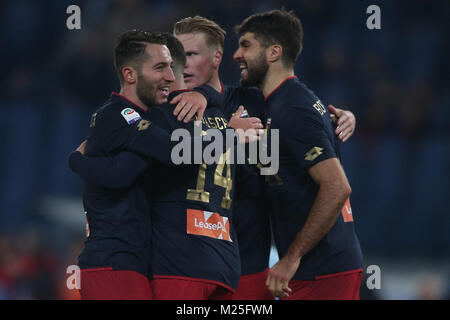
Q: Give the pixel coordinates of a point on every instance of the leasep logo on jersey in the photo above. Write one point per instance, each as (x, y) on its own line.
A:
(208, 224)
(130, 115)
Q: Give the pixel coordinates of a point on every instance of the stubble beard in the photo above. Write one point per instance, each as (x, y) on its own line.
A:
(146, 91)
(256, 72)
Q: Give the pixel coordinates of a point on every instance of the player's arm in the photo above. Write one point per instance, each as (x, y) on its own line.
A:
(154, 143)
(146, 142)
(213, 97)
(334, 190)
(118, 129)
(310, 146)
(194, 102)
(111, 132)
(116, 172)
(344, 121)
(151, 142)
(111, 129)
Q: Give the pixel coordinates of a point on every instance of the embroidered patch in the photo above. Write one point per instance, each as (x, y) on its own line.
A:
(130, 115)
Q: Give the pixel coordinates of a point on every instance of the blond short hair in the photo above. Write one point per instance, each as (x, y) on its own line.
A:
(215, 35)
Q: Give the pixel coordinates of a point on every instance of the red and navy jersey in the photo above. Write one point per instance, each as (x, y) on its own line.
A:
(306, 138)
(118, 220)
(191, 207)
(115, 185)
(251, 218)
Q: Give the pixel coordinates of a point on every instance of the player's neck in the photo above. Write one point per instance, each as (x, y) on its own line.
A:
(178, 84)
(274, 78)
(215, 82)
(131, 95)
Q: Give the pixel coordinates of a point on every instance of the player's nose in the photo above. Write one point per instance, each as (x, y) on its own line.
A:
(238, 55)
(169, 75)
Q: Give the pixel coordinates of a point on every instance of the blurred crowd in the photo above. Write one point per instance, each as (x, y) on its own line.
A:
(395, 80)
(30, 268)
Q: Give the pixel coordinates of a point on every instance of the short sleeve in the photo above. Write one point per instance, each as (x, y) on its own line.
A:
(111, 129)
(305, 135)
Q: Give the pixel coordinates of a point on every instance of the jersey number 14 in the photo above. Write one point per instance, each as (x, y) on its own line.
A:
(199, 193)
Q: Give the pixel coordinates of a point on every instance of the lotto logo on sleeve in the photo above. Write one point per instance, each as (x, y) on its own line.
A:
(208, 224)
(130, 115)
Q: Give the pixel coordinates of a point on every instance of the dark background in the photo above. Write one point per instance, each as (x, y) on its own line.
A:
(395, 80)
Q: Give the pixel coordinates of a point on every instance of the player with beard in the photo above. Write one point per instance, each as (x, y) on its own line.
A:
(187, 261)
(115, 260)
(310, 210)
(203, 41)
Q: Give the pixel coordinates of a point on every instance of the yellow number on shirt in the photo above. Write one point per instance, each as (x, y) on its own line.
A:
(199, 194)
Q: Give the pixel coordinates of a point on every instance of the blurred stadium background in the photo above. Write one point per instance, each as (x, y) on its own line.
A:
(395, 80)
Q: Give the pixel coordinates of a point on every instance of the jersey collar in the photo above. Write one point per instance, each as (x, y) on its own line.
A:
(278, 87)
(127, 100)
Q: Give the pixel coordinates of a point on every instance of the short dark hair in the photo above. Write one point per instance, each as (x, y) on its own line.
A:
(130, 49)
(276, 27)
(177, 52)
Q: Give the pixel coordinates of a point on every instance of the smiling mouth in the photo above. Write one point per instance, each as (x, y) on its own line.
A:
(164, 90)
(243, 68)
(187, 76)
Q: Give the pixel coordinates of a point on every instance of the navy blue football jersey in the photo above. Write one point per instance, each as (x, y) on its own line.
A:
(116, 172)
(250, 209)
(306, 138)
(191, 207)
(117, 181)
(118, 220)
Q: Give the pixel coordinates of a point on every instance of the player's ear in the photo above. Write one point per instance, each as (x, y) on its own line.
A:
(129, 75)
(217, 58)
(274, 53)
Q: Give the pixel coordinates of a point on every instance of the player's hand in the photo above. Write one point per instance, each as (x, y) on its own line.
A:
(189, 104)
(344, 120)
(236, 122)
(82, 147)
(248, 129)
(279, 276)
